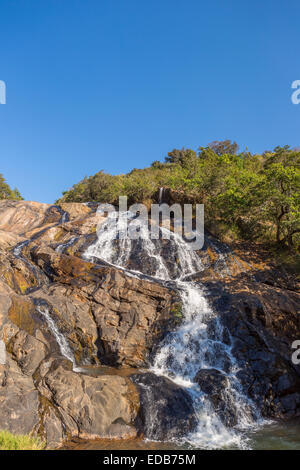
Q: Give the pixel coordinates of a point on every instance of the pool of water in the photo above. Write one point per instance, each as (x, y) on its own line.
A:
(274, 436)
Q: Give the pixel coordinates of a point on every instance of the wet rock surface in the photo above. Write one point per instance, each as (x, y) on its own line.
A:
(166, 410)
(263, 321)
(119, 318)
(215, 384)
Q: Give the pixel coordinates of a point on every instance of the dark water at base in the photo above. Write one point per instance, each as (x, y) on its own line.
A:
(275, 436)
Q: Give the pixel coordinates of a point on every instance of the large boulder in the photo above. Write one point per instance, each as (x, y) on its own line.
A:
(57, 403)
(167, 410)
(216, 385)
(19, 399)
(83, 406)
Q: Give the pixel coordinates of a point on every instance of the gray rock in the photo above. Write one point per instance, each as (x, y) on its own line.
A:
(19, 401)
(167, 410)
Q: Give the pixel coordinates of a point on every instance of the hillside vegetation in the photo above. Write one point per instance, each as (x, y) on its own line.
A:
(247, 196)
(6, 192)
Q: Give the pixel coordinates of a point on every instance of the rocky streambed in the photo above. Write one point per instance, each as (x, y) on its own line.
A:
(88, 343)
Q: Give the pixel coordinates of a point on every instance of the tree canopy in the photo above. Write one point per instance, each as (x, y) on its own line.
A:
(6, 192)
(248, 196)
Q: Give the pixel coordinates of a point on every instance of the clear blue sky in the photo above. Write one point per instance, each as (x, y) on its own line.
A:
(116, 84)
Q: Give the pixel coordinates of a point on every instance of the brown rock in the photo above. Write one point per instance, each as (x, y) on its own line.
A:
(127, 316)
(18, 399)
(89, 407)
(19, 216)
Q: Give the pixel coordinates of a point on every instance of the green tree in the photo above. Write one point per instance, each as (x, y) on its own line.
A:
(6, 192)
(280, 194)
(221, 147)
(251, 196)
(180, 157)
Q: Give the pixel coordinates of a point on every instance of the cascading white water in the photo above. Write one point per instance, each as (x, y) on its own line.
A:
(64, 218)
(17, 251)
(105, 248)
(198, 344)
(60, 339)
(188, 260)
(62, 247)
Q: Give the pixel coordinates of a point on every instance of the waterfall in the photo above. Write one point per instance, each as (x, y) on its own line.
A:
(63, 246)
(118, 252)
(38, 274)
(59, 337)
(199, 345)
(64, 218)
(17, 251)
(160, 196)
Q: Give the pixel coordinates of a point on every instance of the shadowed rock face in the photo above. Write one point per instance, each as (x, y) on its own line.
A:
(215, 384)
(110, 318)
(263, 321)
(56, 402)
(19, 399)
(166, 409)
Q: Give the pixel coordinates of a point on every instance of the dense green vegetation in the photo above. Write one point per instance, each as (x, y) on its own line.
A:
(10, 441)
(6, 192)
(246, 196)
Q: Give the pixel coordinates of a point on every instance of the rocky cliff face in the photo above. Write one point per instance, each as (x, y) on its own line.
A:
(263, 321)
(105, 316)
(54, 301)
